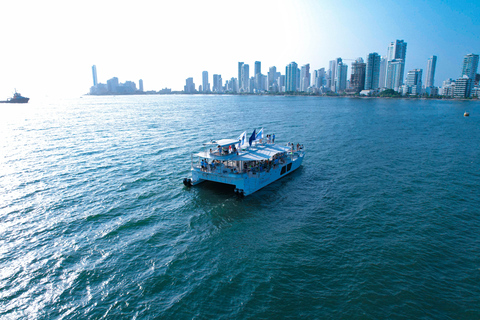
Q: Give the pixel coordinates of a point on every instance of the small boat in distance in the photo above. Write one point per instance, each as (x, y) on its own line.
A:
(247, 164)
(17, 98)
(466, 114)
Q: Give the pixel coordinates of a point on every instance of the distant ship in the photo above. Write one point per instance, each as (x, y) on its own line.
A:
(17, 98)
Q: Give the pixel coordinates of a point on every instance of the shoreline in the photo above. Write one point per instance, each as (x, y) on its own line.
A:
(289, 95)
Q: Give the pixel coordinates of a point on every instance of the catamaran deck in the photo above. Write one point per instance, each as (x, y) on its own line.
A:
(248, 169)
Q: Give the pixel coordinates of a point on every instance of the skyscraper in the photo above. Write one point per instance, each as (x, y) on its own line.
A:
(372, 72)
(112, 85)
(94, 72)
(272, 76)
(463, 87)
(332, 73)
(140, 85)
(470, 65)
(395, 69)
(397, 50)
(430, 76)
(291, 77)
(305, 78)
(217, 83)
(319, 77)
(357, 78)
(339, 75)
(258, 68)
(240, 66)
(205, 84)
(396, 54)
(414, 81)
(382, 83)
(245, 76)
(189, 86)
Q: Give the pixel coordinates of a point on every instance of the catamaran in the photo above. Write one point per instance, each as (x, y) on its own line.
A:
(249, 165)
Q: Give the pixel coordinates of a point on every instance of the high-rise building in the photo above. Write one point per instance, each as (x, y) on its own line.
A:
(463, 87)
(372, 72)
(291, 77)
(140, 85)
(332, 73)
(395, 69)
(260, 80)
(217, 83)
(470, 65)
(305, 78)
(272, 76)
(396, 55)
(205, 84)
(339, 74)
(341, 77)
(112, 85)
(258, 67)
(189, 86)
(281, 83)
(397, 50)
(430, 76)
(382, 83)
(319, 77)
(232, 85)
(357, 78)
(239, 83)
(94, 72)
(414, 81)
(251, 85)
(245, 76)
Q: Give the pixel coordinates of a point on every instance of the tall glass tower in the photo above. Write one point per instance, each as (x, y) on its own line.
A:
(470, 65)
(291, 77)
(258, 68)
(396, 54)
(240, 66)
(430, 76)
(94, 72)
(372, 73)
(205, 84)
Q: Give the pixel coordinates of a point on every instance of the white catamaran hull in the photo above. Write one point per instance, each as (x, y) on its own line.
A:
(248, 182)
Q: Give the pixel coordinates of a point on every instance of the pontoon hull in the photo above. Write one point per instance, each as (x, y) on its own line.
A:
(248, 183)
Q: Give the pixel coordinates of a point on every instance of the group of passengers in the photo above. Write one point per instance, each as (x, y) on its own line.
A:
(265, 165)
(214, 165)
(292, 146)
(210, 167)
(271, 138)
(223, 151)
(248, 166)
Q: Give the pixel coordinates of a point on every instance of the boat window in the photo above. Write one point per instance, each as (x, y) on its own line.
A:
(284, 169)
(289, 166)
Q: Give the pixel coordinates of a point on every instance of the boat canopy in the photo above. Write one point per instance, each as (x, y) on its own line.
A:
(263, 152)
(257, 153)
(223, 142)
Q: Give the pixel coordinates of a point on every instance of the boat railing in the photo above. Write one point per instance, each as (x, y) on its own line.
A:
(250, 171)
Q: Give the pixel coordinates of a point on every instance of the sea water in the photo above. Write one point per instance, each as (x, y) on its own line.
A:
(381, 221)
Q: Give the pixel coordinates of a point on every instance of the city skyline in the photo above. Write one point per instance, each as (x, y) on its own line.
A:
(160, 44)
(363, 78)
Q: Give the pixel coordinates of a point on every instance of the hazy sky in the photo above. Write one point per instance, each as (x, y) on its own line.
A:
(48, 47)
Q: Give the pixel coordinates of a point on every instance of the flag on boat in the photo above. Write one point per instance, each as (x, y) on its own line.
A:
(252, 138)
(259, 135)
(243, 139)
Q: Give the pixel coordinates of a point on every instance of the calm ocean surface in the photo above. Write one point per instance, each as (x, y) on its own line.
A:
(382, 221)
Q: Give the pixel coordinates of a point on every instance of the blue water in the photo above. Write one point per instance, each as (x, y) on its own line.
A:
(382, 221)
